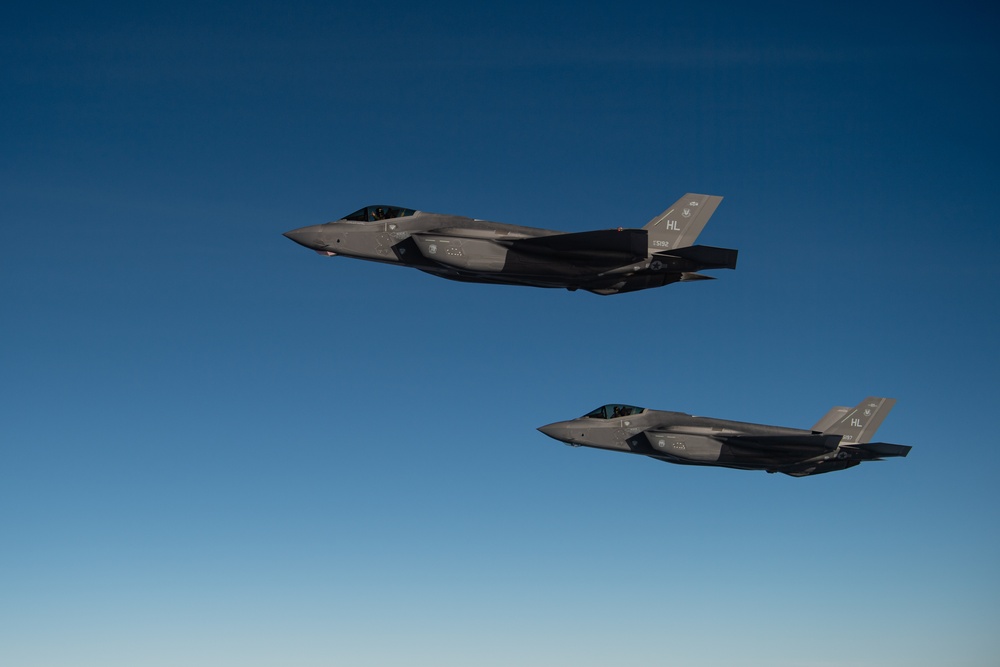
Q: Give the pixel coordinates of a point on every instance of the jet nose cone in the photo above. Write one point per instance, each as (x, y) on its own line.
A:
(557, 431)
(311, 237)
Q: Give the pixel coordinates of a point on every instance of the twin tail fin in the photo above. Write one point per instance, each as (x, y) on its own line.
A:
(680, 225)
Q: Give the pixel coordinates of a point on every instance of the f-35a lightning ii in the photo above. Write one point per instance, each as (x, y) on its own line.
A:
(470, 250)
(839, 440)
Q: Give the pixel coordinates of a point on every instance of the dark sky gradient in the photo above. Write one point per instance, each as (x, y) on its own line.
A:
(217, 448)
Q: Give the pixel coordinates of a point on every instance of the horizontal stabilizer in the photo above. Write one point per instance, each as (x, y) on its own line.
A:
(696, 257)
(629, 243)
(881, 449)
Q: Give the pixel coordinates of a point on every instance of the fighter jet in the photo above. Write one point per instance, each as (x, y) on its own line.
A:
(841, 439)
(607, 261)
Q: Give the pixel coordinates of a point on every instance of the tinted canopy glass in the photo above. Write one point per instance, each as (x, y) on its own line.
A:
(614, 411)
(374, 213)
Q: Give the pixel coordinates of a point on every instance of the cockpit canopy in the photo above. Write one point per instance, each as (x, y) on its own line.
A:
(614, 411)
(375, 213)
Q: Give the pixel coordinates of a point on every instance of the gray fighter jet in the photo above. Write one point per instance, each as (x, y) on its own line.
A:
(470, 250)
(841, 439)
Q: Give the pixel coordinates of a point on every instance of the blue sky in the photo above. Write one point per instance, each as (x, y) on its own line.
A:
(221, 449)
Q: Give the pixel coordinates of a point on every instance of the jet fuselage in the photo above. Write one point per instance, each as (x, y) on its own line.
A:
(677, 437)
(472, 250)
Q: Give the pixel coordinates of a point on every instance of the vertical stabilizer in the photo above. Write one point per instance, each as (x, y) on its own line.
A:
(680, 225)
(830, 418)
(858, 424)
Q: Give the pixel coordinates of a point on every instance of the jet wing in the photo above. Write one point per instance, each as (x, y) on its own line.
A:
(805, 445)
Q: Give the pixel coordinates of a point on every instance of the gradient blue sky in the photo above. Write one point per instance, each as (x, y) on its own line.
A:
(221, 449)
